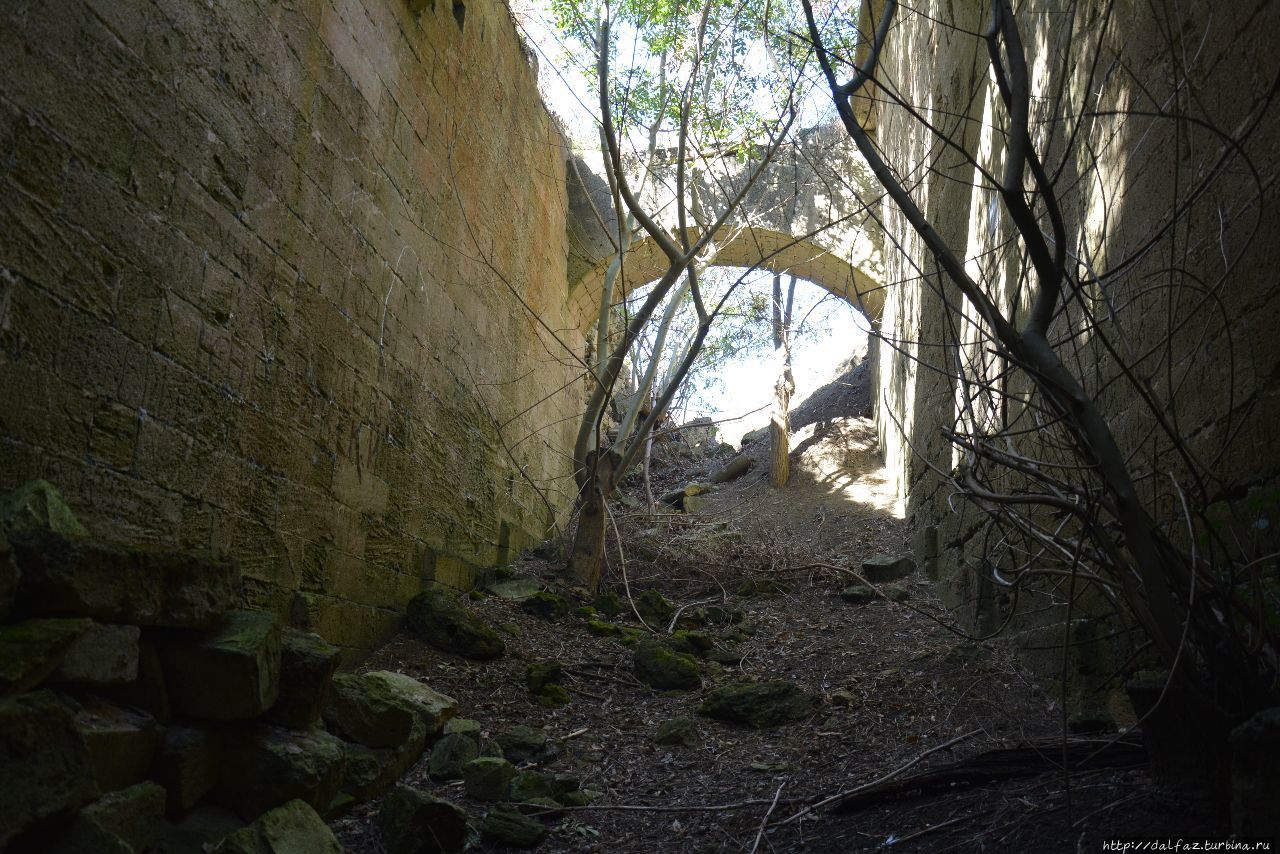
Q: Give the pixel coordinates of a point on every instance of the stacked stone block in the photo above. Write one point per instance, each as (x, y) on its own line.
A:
(135, 690)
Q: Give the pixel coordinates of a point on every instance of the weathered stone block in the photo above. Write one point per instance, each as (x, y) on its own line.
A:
(370, 771)
(443, 621)
(187, 765)
(659, 666)
(882, 568)
(231, 673)
(31, 651)
(292, 827)
(488, 779)
(758, 704)
(506, 826)
(38, 506)
(103, 655)
(414, 822)
(45, 769)
(74, 577)
(307, 664)
(127, 820)
(522, 743)
(265, 766)
(450, 754)
(122, 742)
(379, 709)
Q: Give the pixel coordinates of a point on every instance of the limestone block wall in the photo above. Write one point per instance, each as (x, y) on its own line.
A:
(1123, 166)
(268, 278)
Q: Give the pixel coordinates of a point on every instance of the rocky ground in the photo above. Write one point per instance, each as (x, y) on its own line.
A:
(753, 586)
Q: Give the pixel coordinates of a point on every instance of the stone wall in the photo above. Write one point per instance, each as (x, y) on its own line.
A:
(266, 280)
(1209, 277)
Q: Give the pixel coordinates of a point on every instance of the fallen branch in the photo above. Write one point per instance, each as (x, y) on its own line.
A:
(764, 822)
(856, 790)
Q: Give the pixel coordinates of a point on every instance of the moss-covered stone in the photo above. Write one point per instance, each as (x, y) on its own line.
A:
(758, 704)
(294, 826)
(681, 730)
(542, 673)
(45, 769)
(450, 754)
(522, 743)
(884, 568)
(307, 665)
(32, 650)
(464, 726)
(231, 673)
(659, 666)
(488, 779)
(547, 606)
(898, 591)
(554, 696)
(601, 629)
(37, 505)
(585, 612)
(265, 766)
(443, 621)
(380, 708)
(697, 644)
(529, 786)
(414, 822)
(609, 604)
(370, 771)
(654, 609)
(505, 825)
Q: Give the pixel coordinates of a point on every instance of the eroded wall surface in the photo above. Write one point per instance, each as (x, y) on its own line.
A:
(268, 282)
(1156, 125)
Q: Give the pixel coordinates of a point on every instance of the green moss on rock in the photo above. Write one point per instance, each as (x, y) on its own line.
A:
(442, 620)
(758, 704)
(659, 666)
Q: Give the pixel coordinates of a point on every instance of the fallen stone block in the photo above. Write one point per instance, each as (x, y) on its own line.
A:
(488, 779)
(187, 765)
(199, 831)
(307, 665)
(522, 743)
(291, 827)
(883, 568)
(31, 651)
(506, 826)
(414, 822)
(379, 709)
(734, 469)
(73, 577)
(45, 769)
(758, 704)
(265, 766)
(442, 620)
(450, 754)
(370, 771)
(103, 655)
(659, 666)
(231, 673)
(38, 506)
(678, 731)
(122, 742)
(130, 818)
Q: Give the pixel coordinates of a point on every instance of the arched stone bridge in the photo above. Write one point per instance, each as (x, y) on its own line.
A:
(806, 214)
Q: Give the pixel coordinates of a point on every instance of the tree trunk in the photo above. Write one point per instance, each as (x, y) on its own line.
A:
(779, 422)
(587, 557)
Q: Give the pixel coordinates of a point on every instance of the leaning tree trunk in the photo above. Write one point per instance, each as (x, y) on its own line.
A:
(779, 429)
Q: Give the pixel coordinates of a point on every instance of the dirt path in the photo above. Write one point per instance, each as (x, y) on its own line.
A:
(890, 682)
